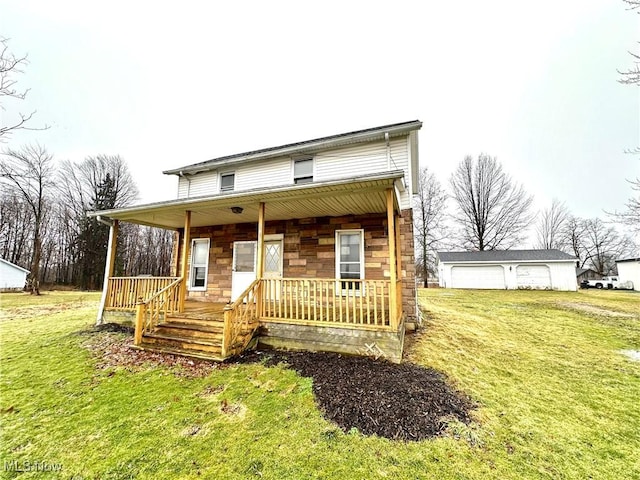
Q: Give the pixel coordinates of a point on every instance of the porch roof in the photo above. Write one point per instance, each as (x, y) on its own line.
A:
(358, 195)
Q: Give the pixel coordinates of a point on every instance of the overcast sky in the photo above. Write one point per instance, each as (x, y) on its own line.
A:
(168, 84)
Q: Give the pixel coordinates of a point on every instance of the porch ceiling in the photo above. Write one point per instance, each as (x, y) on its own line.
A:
(359, 195)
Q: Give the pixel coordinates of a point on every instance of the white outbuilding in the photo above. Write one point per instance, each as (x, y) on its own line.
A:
(12, 277)
(629, 271)
(508, 270)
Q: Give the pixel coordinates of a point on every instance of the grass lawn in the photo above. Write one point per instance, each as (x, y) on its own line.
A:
(556, 399)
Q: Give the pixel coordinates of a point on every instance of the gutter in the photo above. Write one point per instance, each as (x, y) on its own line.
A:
(301, 147)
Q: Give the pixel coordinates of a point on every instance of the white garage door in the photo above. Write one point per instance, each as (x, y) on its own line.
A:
(479, 276)
(533, 276)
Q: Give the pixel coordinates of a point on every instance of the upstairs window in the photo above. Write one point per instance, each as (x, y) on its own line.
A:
(227, 182)
(303, 171)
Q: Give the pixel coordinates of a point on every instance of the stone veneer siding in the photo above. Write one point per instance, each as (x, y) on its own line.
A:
(309, 251)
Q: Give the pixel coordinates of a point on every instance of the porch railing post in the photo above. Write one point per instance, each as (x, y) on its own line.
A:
(391, 234)
(140, 311)
(186, 238)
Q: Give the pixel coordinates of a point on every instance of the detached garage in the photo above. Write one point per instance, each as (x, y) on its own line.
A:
(508, 269)
(12, 277)
(629, 271)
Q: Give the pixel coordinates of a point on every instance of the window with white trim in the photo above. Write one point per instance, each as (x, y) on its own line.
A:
(199, 264)
(303, 170)
(350, 257)
(227, 181)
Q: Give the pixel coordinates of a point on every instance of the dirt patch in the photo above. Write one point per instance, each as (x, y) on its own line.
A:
(31, 311)
(400, 402)
(586, 308)
(110, 344)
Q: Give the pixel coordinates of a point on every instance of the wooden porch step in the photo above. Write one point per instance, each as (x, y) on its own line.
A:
(212, 331)
(177, 351)
(188, 319)
(182, 343)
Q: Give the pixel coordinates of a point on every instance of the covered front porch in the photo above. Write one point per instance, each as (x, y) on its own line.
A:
(349, 306)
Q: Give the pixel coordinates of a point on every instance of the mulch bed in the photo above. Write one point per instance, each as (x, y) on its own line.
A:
(401, 402)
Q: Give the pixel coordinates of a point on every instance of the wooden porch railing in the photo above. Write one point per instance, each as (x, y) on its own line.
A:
(241, 320)
(123, 293)
(321, 301)
(150, 311)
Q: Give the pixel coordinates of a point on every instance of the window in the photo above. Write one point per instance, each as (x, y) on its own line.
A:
(350, 257)
(303, 171)
(227, 181)
(199, 264)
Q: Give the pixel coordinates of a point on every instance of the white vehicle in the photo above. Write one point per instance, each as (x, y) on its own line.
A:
(612, 282)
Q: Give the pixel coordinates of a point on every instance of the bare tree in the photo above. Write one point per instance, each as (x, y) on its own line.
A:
(551, 224)
(573, 238)
(632, 215)
(10, 66)
(493, 211)
(97, 183)
(429, 216)
(603, 245)
(631, 76)
(28, 173)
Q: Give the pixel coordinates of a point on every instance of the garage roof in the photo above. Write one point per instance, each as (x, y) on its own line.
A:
(551, 255)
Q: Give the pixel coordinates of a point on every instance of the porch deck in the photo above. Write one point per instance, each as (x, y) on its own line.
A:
(353, 316)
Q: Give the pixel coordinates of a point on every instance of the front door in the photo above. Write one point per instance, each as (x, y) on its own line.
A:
(243, 268)
(273, 266)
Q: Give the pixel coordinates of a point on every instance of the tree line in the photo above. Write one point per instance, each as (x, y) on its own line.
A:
(484, 209)
(44, 225)
(43, 205)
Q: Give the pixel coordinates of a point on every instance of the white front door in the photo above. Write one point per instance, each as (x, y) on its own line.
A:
(243, 268)
(273, 266)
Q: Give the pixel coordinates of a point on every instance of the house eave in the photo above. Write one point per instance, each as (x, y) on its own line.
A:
(306, 147)
(356, 195)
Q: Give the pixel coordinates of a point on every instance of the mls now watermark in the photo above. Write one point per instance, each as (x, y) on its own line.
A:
(31, 466)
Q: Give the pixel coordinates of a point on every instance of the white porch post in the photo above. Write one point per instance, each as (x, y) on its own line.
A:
(391, 235)
(260, 259)
(186, 245)
(108, 267)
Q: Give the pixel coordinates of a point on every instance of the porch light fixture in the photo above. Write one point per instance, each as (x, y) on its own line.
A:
(237, 210)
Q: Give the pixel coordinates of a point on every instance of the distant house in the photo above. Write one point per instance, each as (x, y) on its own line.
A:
(583, 274)
(508, 269)
(629, 270)
(12, 277)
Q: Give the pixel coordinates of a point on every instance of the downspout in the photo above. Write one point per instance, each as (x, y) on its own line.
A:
(386, 139)
(181, 174)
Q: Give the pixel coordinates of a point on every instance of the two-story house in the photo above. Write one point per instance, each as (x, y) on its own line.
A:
(301, 246)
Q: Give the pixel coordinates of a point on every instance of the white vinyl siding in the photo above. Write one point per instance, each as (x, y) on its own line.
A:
(266, 173)
(200, 184)
(334, 164)
(354, 161)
